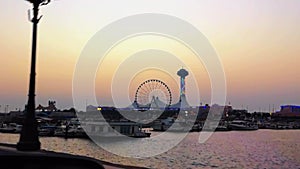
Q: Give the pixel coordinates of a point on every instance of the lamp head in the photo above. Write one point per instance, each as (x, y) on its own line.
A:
(40, 2)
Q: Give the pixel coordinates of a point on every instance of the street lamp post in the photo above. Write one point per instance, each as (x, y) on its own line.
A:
(29, 139)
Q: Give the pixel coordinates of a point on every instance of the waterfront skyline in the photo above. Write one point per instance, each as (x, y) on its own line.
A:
(257, 42)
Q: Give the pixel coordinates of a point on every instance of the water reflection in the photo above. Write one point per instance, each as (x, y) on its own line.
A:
(233, 149)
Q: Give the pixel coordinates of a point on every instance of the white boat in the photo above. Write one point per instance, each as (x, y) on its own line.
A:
(162, 124)
(180, 125)
(114, 129)
(11, 128)
(243, 125)
(171, 124)
(71, 131)
(196, 127)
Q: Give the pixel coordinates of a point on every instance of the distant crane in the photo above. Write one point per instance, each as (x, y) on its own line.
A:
(29, 139)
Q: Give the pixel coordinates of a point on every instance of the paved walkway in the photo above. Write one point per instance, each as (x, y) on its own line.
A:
(8, 151)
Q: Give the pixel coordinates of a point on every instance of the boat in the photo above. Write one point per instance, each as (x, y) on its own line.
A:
(196, 127)
(7, 130)
(173, 125)
(180, 125)
(112, 129)
(11, 128)
(140, 134)
(222, 128)
(46, 130)
(243, 125)
(69, 132)
(212, 126)
(162, 124)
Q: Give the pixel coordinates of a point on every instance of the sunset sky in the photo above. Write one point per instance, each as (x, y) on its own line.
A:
(257, 41)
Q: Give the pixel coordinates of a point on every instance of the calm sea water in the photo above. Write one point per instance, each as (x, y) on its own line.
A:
(233, 149)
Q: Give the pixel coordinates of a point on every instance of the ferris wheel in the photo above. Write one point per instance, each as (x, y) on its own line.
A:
(153, 91)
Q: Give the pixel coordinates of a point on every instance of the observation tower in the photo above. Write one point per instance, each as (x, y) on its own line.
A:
(182, 73)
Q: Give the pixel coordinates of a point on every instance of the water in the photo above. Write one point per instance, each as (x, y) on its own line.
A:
(234, 149)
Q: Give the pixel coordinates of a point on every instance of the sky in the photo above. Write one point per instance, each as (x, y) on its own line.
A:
(257, 41)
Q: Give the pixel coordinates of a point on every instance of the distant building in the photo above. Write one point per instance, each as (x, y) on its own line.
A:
(51, 111)
(288, 111)
(60, 115)
(91, 108)
(50, 108)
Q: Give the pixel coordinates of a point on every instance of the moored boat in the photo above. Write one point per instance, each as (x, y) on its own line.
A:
(7, 130)
(11, 128)
(162, 124)
(243, 125)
